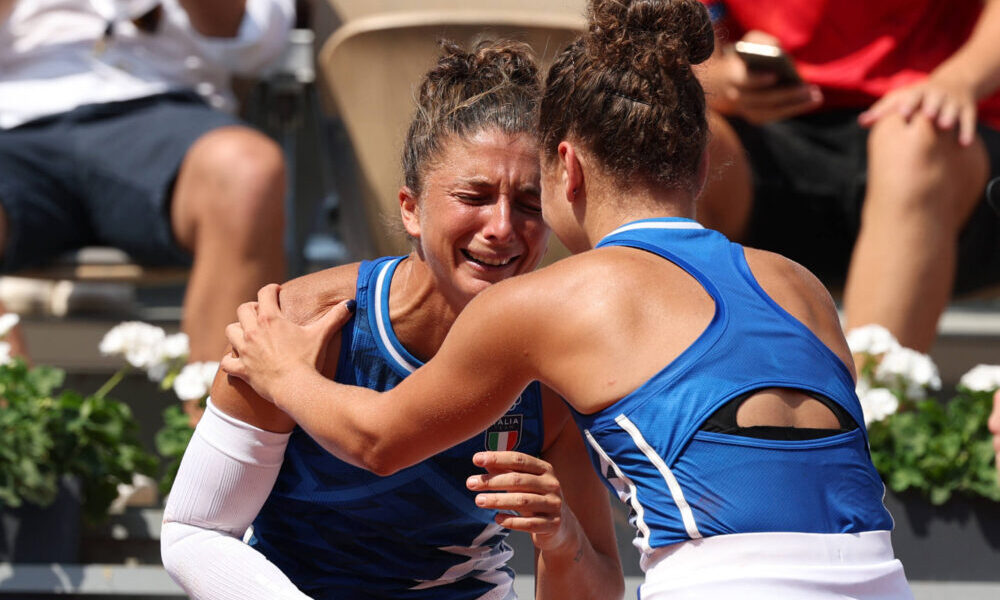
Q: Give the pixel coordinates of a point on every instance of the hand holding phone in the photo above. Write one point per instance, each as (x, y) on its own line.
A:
(759, 83)
(767, 58)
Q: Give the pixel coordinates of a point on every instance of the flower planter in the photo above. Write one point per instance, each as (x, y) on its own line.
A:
(957, 541)
(35, 534)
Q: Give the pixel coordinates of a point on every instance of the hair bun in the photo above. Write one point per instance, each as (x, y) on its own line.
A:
(650, 36)
(493, 84)
(489, 63)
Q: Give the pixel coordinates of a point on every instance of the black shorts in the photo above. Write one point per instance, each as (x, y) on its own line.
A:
(810, 175)
(101, 174)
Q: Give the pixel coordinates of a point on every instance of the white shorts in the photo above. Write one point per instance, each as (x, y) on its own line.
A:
(777, 565)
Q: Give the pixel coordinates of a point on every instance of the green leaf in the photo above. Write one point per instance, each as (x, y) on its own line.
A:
(45, 435)
(940, 495)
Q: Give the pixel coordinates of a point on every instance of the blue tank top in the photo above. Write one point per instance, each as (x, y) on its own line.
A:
(340, 532)
(682, 483)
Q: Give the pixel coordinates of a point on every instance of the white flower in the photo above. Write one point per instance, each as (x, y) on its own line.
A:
(195, 380)
(982, 378)
(877, 404)
(871, 339)
(7, 322)
(5, 357)
(175, 346)
(158, 371)
(862, 387)
(915, 370)
(170, 354)
(138, 342)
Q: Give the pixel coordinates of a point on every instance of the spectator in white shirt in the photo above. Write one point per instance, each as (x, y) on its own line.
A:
(115, 130)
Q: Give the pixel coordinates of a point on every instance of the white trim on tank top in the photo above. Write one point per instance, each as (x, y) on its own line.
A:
(642, 540)
(381, 319)
(657, 225)
(675, 488)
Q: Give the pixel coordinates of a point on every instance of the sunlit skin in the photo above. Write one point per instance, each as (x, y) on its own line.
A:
(476, 221)
(478, 218)
(593, 327)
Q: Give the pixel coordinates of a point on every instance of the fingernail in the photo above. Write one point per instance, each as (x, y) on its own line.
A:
(472, 482)
(352, 305)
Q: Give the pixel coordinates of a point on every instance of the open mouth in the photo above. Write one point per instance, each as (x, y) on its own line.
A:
(492, 262)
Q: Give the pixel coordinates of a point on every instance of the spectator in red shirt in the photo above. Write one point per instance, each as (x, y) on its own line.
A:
(871, 171)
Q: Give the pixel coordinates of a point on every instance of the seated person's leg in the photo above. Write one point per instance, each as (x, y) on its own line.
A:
(922, 187)
(41, 216)
(806, 179)
(227, 210)
(43, 213)
(178, 182)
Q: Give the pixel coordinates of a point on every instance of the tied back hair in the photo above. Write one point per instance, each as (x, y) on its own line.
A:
(633, 97)
(495, 84)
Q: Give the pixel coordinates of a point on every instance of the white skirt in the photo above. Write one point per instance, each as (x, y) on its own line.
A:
(777, 565)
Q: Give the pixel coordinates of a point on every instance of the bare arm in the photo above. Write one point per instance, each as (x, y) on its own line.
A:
(229, 470)
(215, 18)
(950, 93)
(582, 561)
(477, 374)
(303, 301)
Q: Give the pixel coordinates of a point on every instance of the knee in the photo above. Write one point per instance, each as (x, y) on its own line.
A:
(926, 167)
(246, 172)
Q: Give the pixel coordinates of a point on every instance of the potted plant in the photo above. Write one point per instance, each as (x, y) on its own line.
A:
(164, 358)
(62, 453)
(936, 458)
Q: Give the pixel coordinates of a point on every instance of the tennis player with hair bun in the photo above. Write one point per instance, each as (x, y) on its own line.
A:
(711, 382)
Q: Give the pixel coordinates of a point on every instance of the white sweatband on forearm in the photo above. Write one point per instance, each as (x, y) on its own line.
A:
(224, 479)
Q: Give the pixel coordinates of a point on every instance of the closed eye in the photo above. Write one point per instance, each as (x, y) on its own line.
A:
(472, 197)
(534, 208)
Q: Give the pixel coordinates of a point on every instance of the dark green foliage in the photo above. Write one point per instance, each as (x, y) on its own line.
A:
(171, 441)
(45, 434)
(938, 449)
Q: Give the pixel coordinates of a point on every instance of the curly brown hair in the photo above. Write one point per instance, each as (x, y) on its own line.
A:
(493, 85)
(627, 92)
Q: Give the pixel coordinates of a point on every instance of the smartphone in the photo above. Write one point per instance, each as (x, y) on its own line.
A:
(765, 58)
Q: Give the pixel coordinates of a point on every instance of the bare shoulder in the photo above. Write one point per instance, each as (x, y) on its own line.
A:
(802, 294)
(772, 266)
(303, 299)
(306, 298)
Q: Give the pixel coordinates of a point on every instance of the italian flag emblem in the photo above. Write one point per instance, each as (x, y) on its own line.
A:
(505, 434)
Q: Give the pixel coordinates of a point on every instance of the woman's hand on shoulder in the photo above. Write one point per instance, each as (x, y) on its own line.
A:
(269, 348)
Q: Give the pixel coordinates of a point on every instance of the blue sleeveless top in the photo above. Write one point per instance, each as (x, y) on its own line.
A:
(682, 483)
(338, 531)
